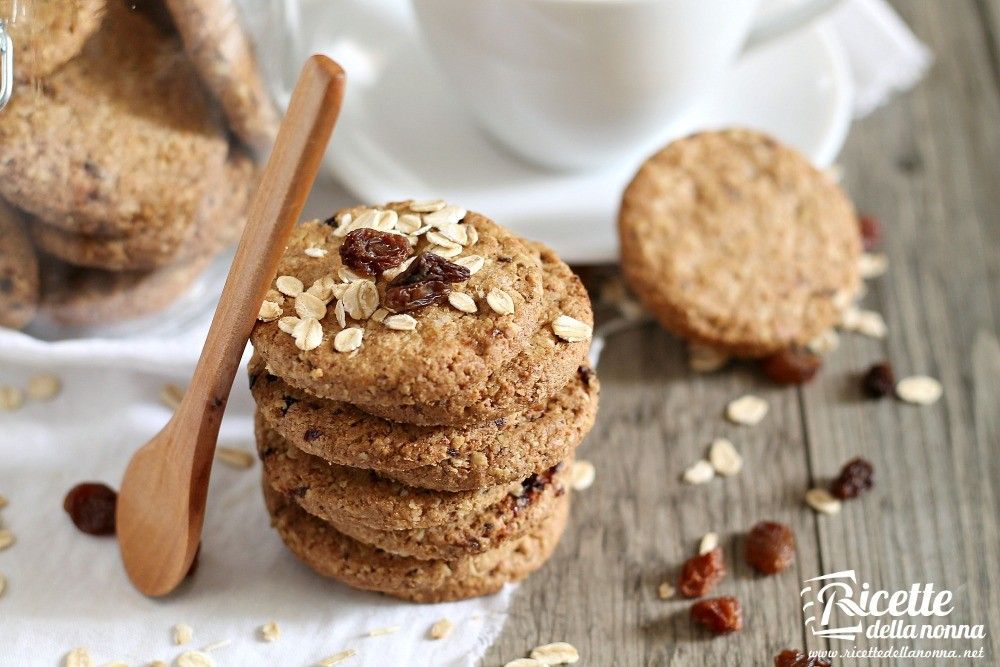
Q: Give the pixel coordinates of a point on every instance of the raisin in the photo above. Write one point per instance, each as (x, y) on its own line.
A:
(289, 402)
(91, 506)
(792, 366)
(719, 615)
(410, 297)
(791, 657)
(311, 434)
(879, 381)
(428, 267)
(585, 373)
(871, 231)
(370, 252)
(701, 573)
(856, 477)
(770, 547)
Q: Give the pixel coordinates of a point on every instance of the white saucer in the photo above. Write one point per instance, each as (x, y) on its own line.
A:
(403, 134)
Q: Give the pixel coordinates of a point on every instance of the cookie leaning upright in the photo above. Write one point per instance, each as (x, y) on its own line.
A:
(18, 271)
(735, 241)
(416, 331)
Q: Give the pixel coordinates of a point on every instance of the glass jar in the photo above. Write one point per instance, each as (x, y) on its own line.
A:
(129, 149)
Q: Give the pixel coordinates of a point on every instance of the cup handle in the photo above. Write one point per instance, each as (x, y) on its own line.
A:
(783, 22)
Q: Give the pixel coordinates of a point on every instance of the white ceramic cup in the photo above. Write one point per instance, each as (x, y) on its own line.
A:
(580, 84)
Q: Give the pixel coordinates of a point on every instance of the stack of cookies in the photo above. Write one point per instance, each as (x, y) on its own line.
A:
(422, 383)
(117, 159)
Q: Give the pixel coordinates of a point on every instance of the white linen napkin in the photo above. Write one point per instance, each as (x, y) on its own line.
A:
(66, 589)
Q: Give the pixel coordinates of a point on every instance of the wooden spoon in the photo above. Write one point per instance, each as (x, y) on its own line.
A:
(161, 506)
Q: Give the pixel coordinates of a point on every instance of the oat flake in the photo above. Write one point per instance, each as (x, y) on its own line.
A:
(724, 458)
(524, 662)
(582, 475)
(288, 324)
(235, 457)
(427, 205)
(315, 251)
(289, 285)
(79, 657)
(3, 584)
(388, 630)
(338, 657)
(665, 591)
(270, 632)
(308, 334)
(872, 265)
(6, 539)
(11, 398)
(308, 305)
(500, 302)
(472, 262)
(706, 359)
(558, 653)
(348, 340)
(441, 629)
(269, 311)
(820, 500)
(824, 343)
(699, 473)
(747, 410)
(195, 659)
(919, 390)
(462, 301)
(447, 215)
(44, 387)
(182, 634)
(571, 329)
(401, 322)
(708, 543)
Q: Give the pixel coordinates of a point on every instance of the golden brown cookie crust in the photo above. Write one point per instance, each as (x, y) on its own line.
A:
(735, 241)
(18, 271)
(333, 554)
(448, 352)
(48, 33)
(120, 139)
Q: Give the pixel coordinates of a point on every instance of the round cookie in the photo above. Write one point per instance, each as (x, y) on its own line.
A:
(333, 554)
(221, 52)
(735, 241)
(119, 140)
(18, 271)
(360, 496)
(48, 33)
(436, 457)
(220, 221)
(448, 351)
(531, 378)
(476, 533)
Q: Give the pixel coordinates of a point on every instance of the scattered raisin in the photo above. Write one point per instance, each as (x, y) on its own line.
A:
(791, 657)
(719, 615)
(792, 366)
(856, 477)
(311, 434)
(91, 506)
(428, 267)
(370, 251)
(770, 547)
(701, 573)
(879, 381)
(410, 297)
(871, 231)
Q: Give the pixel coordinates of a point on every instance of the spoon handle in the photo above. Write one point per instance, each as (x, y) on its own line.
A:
(274, 209)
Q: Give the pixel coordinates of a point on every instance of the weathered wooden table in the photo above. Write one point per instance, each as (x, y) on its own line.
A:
(929, 166)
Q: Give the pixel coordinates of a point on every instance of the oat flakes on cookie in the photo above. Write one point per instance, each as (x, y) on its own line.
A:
(735, 241)
(120, 139)
(18, 271)
(394, 265)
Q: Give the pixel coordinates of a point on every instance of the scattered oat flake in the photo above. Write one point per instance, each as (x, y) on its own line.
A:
(724, 458)
(582, 475)
(11, 398)
(387, 630)
(665, 591)
(441, 629)
(380, 315)
(269, 311)
(78, 657)
(157, 663)
(171, 395)
(348, 340)
(289, 285)
(3, 583)
(340, 313)
(706, 359)
(865, 322)
(346, 275)
(919, 390)
(337, 658)
(500, 302)
(824, 343)
(270, 632)
(287, 324)
(571, 329)
(708, 543)
(195, 659)
(315, 251)
(235, 457)
(308, 334)
(747, 410)
(462, 301)
(872, 265)
(6, 539)
(427, 205)
(182, 634)
(215, 646)
(116, 663)
(699, 473)
(820, 500)
(558, 653)
(472, 262)
(309, 305)
(44, 387)
(446, 215)
(525, 662)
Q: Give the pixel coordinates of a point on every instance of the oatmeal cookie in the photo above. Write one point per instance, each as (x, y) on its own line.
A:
(18, 271)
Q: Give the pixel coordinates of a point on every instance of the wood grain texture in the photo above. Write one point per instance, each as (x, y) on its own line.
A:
(927, 165)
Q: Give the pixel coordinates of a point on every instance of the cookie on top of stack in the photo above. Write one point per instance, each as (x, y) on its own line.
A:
(738, 244)
(120, 156)
(422, 383)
